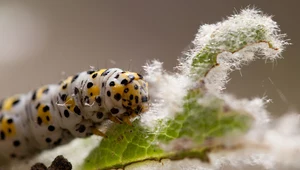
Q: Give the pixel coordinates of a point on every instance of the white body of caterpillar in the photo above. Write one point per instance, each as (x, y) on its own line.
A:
(55, 114)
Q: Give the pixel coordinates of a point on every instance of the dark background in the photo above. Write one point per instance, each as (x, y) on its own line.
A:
(42, 42)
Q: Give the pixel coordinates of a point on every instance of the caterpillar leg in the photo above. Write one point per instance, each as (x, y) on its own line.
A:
(126, 119)
(98, 132)
(114, 119)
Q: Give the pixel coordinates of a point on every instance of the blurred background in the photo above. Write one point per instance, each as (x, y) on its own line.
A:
(44, 41)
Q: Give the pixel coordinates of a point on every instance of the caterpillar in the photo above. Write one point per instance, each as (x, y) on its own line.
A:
(55, 114)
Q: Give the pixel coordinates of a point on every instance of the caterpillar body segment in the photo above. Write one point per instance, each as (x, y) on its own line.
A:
(55, 114)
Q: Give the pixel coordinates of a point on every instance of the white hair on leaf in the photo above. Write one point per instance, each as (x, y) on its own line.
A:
(265, 145)
(235, 43)
(166, 92)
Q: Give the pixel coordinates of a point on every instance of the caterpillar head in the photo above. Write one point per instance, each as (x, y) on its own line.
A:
(127, 94)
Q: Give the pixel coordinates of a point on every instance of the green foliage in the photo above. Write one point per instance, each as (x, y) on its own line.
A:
(197, 124)
(230, 41)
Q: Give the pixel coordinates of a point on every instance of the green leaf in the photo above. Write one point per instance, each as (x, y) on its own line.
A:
(230, 41)
(196, 123)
